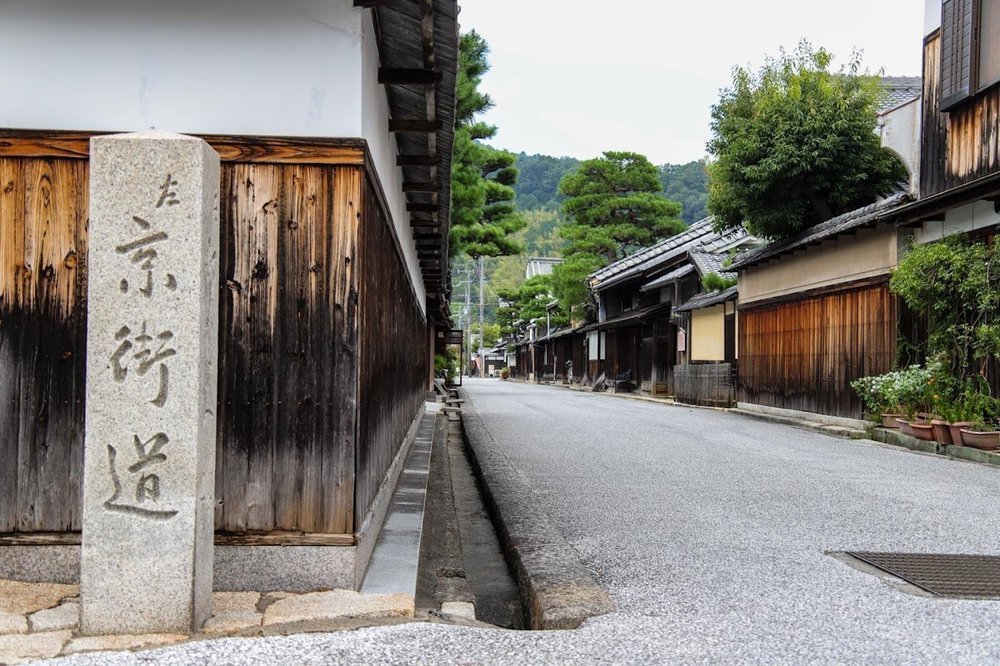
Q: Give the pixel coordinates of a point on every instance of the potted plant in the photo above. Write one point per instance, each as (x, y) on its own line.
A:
(879, 396)
(505, 373)
(983, 432)
(912, 388)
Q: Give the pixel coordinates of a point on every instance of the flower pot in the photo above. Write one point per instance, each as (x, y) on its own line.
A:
(986, 441)
(941, 432)
(922, 430)
(904, 427)
(889, 420)
(956, 431)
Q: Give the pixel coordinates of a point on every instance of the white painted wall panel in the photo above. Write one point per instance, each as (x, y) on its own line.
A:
(227, 66)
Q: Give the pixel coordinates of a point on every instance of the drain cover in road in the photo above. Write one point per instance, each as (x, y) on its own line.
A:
(965, 576)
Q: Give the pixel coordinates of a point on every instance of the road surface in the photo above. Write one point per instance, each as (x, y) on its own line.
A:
(711, 533)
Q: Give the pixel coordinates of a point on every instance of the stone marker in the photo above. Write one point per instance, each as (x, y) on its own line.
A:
(152, 348)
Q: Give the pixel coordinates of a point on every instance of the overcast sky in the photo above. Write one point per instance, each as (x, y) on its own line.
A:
(578, 77)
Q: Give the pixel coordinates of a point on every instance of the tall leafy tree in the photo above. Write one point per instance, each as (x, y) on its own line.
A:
(795, 144)
(615, 206)
(483, 215)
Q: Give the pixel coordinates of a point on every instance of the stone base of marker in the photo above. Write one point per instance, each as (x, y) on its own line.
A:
(152, 354)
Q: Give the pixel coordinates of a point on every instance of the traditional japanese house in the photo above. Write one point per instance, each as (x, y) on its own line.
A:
(334, 125)
(959, 172)
(637, 329)
(815, 311)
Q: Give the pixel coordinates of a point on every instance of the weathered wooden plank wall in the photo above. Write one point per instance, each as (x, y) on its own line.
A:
(803, 354)
(288, 341)
(959, 146)
(289, 336)
(392, 365)
(43, 328)
(705, 384)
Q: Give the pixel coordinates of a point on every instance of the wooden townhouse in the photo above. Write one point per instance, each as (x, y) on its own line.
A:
(334, 125)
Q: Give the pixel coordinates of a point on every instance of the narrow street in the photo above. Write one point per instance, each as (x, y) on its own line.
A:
(710, 532)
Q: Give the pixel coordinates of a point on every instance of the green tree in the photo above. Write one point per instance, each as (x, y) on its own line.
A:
(483, 217)
(794, 144)
(687, 184)
(615, 205)
(525, 303)
(538, 182)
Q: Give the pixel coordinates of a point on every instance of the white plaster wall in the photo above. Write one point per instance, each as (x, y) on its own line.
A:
(900, 133)
(382, 145)
(932, 16)
(970, 217)
(268, 67)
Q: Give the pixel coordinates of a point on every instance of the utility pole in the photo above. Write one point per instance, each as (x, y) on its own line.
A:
(482, 364)
(468, 310)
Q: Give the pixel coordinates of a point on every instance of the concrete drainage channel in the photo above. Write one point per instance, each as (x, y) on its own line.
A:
(555, 589)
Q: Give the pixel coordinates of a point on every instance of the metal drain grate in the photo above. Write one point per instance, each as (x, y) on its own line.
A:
(964, 576)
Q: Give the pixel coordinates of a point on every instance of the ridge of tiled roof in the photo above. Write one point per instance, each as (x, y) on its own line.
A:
(708, 299)
(659, 251)
(850, 220)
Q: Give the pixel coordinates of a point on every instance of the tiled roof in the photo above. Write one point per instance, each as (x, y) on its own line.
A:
(851, 220)
(899, 89)
(664, 280)
(711, 298)
(709, 262)
(656, 253)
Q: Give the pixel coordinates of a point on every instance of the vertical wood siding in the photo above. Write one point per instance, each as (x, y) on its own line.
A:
(43, 329)
(963, 144)
(288, 345)
(803, 354)
(288, 341)
(393, 363)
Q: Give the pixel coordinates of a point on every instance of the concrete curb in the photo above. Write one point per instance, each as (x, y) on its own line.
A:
(557, 590)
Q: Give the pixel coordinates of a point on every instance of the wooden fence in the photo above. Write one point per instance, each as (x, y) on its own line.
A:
(803, 353)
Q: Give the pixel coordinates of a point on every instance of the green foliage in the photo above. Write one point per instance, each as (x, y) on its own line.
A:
(687, 184)
(911, 390)
(446, 365)
(519, 306)
(955, 284)
(614, 206)
(483, 216)
(794, 144)
(715, 282)
(538, 184)
(569, 282)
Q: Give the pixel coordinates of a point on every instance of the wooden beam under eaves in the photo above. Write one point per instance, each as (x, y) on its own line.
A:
(408, 76)
(411, 186)
(417, 160)
(416, 224)
(421, 208)
(368, 4)
(414, 125)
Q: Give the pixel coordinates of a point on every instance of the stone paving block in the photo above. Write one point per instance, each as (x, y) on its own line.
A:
(25, 647)
(63, 616)
(235, 602)
(23, 598)
(338, 604)
(13, 623)
(461, 609)
(130, 642)
(232, 621)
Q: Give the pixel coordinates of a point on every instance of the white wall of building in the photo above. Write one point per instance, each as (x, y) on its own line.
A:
(305, 68)
(899, 129)
(382, 145)
(222, 67)
(964, 219)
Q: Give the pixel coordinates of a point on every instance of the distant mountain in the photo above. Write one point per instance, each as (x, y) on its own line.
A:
(537, 185)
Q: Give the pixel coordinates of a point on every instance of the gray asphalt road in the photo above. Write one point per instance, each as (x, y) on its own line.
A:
(710, 532)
